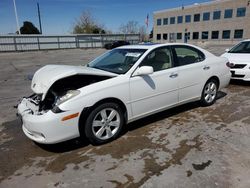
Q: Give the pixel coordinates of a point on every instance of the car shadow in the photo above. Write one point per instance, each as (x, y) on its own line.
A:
(77, 143)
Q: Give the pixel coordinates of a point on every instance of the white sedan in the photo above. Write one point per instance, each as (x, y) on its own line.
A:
(239, 60)
(121, 86)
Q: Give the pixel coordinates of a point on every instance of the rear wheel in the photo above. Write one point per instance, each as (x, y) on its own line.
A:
(209, 93)
(104, 123)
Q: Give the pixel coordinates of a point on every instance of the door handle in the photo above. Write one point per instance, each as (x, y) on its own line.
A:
(206, 68)
(173, 75)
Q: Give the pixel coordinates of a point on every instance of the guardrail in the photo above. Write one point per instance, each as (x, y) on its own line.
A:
(10, 43)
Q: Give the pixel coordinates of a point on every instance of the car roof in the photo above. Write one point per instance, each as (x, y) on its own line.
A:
(247, 40)
(148, 46)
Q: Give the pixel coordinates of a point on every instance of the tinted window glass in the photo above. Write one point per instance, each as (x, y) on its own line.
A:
(197, 17)
(158, 36)
(238, 34)
(180, 19)
(243, 47)
(165, 36)
(216, 15)
(206, 16)
(188, 55)
(165, 21)
(228, 13)
(226, 34)
(188, 18)
(172, 20)
(158, 21)
(204, 35)
(241, 12)
(215, 34)
(195, 35)
(159, 59)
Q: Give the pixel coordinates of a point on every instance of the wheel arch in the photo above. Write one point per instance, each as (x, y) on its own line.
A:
(215, 78)
(85, 112)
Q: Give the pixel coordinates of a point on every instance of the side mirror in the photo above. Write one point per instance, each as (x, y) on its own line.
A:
(227, 50)
(144, 70)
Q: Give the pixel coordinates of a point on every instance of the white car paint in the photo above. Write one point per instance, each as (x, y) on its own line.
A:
(141, 95)
(239, 73)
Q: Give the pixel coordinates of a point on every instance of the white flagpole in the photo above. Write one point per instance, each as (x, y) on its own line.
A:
(17, 23)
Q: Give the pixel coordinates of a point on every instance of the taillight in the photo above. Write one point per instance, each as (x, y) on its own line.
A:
(230, 65)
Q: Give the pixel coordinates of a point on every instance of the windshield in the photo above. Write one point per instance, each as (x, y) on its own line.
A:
(118, 61)
(243, 47)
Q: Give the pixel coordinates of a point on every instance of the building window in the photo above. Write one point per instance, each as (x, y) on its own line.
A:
(165, 21)
(172, 20)
(158, 36)
(238, 34)
(204, 35)
(188, 18)
(215, 34)
(241, 12)
(228, 13)
(180, 19)
(179, 36)
(217, 15)
(197, 17)
(158, 21)
(165, 36)
(226, 34)
(206, 16)
(187, 36)
(195, 35)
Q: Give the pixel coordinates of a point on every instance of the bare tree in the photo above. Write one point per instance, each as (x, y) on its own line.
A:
(143, 34)
(86, 23)
(131, 27)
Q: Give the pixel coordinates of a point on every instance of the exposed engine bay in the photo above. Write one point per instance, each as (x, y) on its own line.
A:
(60, 88)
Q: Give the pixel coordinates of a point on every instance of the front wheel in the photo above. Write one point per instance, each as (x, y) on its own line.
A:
(104, 123)
(209, 93)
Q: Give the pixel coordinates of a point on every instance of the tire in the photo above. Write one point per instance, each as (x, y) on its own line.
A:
(209, 93)
(104, 123)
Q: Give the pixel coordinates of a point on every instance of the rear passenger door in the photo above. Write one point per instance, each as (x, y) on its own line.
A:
(191, 71)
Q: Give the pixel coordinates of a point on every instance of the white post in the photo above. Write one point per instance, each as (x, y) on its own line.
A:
(17, 23)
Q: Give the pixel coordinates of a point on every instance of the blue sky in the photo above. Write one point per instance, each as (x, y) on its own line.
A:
(58, 16)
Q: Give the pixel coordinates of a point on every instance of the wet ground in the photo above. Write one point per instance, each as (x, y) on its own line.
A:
(188, 146)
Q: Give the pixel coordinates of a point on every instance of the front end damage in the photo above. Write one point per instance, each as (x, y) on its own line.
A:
(44, 121)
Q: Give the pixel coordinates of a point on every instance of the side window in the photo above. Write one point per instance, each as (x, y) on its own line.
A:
(188, 55)
(159, 59)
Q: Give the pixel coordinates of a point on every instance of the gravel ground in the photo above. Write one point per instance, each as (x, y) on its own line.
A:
(188, 146)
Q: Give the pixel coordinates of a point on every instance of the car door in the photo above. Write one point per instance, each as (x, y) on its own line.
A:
(192, 71)
(150, 93)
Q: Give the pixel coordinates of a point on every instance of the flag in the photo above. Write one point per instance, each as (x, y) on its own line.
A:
(146, 20)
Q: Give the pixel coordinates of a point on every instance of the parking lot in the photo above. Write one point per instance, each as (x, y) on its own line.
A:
(188, 146)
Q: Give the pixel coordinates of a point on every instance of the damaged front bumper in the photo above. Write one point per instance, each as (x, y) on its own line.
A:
(46, 127)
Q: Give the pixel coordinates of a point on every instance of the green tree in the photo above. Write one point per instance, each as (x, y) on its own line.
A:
(86, 23)
(29, 28)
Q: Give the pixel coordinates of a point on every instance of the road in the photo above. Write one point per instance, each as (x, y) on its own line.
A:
(188, 146)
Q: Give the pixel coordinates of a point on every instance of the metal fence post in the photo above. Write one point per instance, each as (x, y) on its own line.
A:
(58, 43)
(38, 43)
(15, 43)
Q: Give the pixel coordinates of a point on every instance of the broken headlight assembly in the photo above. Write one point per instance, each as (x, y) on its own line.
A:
(61, 99)
(68, 95)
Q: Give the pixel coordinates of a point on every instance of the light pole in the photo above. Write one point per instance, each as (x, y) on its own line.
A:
(17, 23)
(39, 17)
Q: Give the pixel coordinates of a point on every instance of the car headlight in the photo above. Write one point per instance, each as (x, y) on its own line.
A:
(69, 95)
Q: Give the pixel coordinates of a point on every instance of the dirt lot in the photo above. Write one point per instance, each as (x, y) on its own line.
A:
(188, 146)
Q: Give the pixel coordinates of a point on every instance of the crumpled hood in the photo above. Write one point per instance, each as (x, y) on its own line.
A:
(49, 74)
(237, 57)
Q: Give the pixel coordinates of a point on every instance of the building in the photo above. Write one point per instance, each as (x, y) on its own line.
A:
(220, 21)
